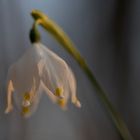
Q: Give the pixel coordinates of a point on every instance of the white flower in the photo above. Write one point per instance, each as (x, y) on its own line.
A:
(39, 69)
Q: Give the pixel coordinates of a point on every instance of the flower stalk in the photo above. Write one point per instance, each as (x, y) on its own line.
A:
(67, 44)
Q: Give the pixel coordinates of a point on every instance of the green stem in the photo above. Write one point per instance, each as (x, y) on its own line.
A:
(64, 40)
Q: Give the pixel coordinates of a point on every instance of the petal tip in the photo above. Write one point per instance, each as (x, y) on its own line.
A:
(78, 104)
(8, 110)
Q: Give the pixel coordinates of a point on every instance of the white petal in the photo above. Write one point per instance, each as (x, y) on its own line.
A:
(55, 73)
(26, 76)
(26, 69)
(10, 89)
(72, 88)
(49, 93)
(54, 69)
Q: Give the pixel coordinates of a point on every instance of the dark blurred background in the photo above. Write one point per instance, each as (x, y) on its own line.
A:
(107, 33)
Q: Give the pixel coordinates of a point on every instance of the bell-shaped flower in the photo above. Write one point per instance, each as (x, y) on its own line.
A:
(39, 70)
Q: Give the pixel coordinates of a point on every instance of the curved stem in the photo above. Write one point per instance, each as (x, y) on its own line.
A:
(64, 40)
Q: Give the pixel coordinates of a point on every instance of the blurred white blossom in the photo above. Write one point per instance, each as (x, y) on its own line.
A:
(39, 70)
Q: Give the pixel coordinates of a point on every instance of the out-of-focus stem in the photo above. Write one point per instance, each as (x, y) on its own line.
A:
(67, 44)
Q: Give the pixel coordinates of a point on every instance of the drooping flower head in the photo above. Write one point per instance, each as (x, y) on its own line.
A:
(39, 71)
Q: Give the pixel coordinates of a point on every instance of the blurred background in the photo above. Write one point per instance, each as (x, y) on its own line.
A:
(107, 33)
